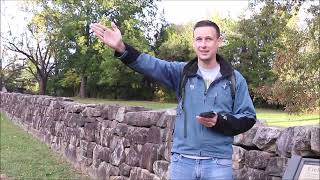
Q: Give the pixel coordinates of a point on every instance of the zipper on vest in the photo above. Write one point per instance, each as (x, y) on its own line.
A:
(184, 114)
(204, 102)
(205, 91)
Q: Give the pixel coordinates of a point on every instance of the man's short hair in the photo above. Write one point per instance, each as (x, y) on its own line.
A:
(206, 23)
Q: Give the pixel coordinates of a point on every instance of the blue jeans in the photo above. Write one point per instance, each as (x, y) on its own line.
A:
(182, 168)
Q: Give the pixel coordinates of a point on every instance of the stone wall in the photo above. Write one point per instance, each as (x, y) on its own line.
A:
(263, 152)
(118, 142)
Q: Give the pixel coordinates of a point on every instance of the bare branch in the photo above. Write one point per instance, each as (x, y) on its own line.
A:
(40, 55)
(52, 67)
(48, 61)
(16, 49)
(8, 65)
(29, 56)
(47, 51)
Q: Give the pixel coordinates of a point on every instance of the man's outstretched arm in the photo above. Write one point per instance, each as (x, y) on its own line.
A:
(167, 73)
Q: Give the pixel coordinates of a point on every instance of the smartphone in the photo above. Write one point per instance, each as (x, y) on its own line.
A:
(209, 114)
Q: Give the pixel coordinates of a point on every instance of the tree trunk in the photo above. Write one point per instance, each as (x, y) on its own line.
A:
(56, 74)
(83, 85)
(42, 85)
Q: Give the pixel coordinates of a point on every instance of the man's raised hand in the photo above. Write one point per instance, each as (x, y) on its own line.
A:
(110, 36)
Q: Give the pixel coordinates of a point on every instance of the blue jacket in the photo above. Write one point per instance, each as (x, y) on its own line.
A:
(234, 117)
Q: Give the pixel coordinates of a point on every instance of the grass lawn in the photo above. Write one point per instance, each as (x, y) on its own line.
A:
(283, 119)
(272, 117)
(24, 157)
(147, 104)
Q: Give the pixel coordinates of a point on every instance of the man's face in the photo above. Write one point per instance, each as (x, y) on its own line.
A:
(206, 42)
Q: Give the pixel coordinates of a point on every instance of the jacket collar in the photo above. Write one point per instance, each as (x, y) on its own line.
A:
(191, 67)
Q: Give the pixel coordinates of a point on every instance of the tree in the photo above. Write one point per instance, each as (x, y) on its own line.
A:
(279, 60)
(36, 48)
(297, 68)
(33, 47)
(81, 50)
(175, 45)
(252, 49)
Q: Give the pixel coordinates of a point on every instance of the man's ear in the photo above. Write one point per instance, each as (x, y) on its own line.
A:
(221, 41)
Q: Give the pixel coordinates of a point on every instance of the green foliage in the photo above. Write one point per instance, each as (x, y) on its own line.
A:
(119, 80)
(28, 82)
(177, 44)
(163, 94)
(255, 55)
(16, 78)
(10, 73)
(80, 51)
(123, 82)
(280, 62)
(252, 46)
(70, 79)
(297, 68)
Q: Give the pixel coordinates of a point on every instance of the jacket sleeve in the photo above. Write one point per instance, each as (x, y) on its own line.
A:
(229, 125)
(167, 73)
(243, 116)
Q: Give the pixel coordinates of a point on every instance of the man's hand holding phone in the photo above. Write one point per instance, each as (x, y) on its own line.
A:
(208, 119)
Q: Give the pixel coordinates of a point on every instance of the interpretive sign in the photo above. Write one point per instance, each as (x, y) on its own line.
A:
(300, 168)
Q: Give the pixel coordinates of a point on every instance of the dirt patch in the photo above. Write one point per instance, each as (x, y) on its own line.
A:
(5, 177)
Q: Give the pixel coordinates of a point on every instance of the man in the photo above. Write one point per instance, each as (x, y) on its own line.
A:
(202, 145)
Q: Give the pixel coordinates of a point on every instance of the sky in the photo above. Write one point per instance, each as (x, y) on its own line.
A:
(177, 12)
(180, 12)
(12, 15)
